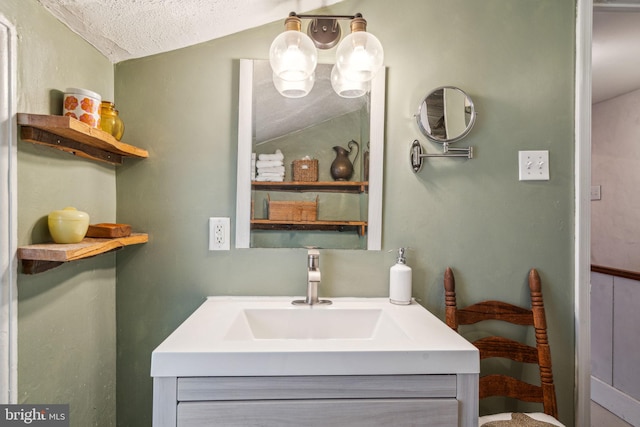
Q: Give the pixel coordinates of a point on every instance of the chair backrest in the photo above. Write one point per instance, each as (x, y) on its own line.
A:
(494, 346)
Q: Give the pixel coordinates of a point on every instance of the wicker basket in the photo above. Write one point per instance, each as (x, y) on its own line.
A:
(305, 170)
(296, 211)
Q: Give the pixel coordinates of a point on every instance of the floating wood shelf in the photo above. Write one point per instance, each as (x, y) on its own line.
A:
(75, 137)
(318, 186)
(45, 256)
(265, 224)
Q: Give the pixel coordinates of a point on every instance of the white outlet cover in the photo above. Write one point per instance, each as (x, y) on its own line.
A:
(219, 234)
(533, 165)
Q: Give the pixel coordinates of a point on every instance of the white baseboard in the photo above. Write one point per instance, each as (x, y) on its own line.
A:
(615, 401)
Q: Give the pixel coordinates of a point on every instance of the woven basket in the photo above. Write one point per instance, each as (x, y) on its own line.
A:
(305, 170)
(295, 211)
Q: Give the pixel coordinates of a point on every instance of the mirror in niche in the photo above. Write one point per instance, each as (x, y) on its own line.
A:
(446, 114)
(348, 214)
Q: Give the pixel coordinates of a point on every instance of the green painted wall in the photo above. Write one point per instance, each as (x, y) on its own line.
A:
(66, 317)
(515, 59)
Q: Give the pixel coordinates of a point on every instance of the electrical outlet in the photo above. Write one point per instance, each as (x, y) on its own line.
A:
(533, 165)
(219, 233)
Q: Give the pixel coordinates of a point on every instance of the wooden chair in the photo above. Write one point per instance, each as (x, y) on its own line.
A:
(494, 346)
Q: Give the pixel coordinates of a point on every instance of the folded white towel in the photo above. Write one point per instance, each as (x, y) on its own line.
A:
(253, 166)
(269, 163)
(277, 156)
(270, 178)
(279, 169)
(270, 173)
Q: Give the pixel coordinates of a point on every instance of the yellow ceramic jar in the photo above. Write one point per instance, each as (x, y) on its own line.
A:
(68, 225)
(110, 121)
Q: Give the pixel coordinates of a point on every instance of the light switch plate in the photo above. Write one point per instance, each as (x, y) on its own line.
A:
(533, 165)
(596, 192)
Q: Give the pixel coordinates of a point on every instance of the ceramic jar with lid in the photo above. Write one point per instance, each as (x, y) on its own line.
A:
(68, 225)
(110, 121)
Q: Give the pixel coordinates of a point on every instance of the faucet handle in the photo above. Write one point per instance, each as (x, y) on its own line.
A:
(313, 259)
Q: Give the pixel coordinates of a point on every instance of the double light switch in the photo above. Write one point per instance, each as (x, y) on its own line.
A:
(533, 165)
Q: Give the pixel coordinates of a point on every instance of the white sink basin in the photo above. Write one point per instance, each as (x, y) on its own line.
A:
(263, 336)
(294, 323)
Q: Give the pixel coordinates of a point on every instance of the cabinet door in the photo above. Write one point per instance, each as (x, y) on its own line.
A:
(308, 413)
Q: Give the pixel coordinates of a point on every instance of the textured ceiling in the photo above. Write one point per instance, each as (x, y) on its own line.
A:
(125, 29)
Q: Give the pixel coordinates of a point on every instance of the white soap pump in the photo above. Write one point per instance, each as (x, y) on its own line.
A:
(400, 280)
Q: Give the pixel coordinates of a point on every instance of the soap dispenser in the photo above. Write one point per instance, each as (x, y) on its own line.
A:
(400, 280)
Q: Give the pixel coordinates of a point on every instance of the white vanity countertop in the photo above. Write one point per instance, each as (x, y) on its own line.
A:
(230, 336)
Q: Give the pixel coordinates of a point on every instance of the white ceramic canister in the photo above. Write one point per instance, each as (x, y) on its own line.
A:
(82, 104)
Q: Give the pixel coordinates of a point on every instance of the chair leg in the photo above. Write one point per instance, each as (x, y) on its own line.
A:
(542, 343)
(451, 315)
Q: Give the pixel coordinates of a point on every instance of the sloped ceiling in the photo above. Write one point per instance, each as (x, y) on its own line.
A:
(276, 115)
(125, 29)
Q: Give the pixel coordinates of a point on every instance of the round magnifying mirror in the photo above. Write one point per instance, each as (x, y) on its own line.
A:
(446, 114)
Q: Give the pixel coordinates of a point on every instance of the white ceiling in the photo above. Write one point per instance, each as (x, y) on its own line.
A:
(615, 53)
(125, 29)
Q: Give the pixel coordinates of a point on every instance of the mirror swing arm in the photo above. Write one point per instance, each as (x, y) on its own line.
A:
(446, 115)
(418, 154)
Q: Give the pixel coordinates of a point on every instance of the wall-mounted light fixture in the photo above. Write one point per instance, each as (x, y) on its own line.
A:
(293, 55)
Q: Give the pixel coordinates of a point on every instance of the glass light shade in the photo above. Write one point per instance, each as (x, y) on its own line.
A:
(359, 56)
(294, 89)
(348, 88)
(293, 56)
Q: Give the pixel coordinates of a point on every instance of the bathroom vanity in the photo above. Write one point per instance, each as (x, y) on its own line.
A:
(244, 361)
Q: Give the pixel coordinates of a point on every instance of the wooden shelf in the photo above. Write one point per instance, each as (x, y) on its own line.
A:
(45, 256)
(353, 187)
(75, 137)
(318, 186)
(265, 224)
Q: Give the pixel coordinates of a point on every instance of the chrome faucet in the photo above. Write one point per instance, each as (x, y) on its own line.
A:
(313, 280)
